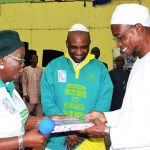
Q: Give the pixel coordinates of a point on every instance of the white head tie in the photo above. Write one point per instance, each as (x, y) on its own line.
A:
(131, 14)
(78, 27)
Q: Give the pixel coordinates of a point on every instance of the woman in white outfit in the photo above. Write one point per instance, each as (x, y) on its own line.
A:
(14, 119)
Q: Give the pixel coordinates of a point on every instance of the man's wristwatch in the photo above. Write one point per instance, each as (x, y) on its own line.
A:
(107, 130)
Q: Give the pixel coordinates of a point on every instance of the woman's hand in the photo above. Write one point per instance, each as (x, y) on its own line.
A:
(34, 139)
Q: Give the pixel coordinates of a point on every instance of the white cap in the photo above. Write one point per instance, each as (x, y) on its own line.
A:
(78, 27)
(131, 14)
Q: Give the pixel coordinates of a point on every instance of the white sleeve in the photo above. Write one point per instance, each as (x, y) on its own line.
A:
(112, 117)
(130, 137)
(10, 126)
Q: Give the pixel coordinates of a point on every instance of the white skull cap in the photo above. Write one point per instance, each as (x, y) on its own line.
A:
(131, 14)
(78, 27)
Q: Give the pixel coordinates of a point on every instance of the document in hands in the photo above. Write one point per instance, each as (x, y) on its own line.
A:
(72, 124)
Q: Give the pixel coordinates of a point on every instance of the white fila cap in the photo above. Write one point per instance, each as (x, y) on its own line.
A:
(78, 27)
(131, 14)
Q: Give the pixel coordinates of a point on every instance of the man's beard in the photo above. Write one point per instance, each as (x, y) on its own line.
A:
(135, 54)
(130, 58)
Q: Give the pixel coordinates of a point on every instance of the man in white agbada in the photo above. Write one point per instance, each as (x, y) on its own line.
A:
(129, 127)
(31, 86)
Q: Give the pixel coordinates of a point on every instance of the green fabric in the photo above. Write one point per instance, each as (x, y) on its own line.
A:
(9, 86)
(75, 97)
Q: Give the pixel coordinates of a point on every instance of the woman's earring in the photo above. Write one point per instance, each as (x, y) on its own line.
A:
(1, 66)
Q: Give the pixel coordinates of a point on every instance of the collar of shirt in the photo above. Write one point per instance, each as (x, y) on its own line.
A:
(8, 85)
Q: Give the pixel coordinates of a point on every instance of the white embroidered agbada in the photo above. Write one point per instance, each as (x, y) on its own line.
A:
(31, 83)
(130, 130)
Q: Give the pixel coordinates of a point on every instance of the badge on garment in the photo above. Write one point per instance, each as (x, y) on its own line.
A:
(62, 75)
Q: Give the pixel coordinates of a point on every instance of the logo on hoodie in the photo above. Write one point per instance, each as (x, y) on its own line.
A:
(62, 76)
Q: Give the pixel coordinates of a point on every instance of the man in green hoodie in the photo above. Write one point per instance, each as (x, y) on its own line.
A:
(75, 84)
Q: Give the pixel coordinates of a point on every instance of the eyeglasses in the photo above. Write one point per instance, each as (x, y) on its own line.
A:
(22, 60)
(123, 36)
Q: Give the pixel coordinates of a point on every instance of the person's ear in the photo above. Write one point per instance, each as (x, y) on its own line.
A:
(89, 42)
(66, 43)
(1, 60)
(139, 27)
(1, 63)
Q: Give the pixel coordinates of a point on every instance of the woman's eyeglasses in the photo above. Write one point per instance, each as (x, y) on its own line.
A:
(22, 60)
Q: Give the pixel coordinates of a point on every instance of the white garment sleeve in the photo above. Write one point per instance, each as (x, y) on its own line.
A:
(10, 126)
(130, 137)
(112, 117)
